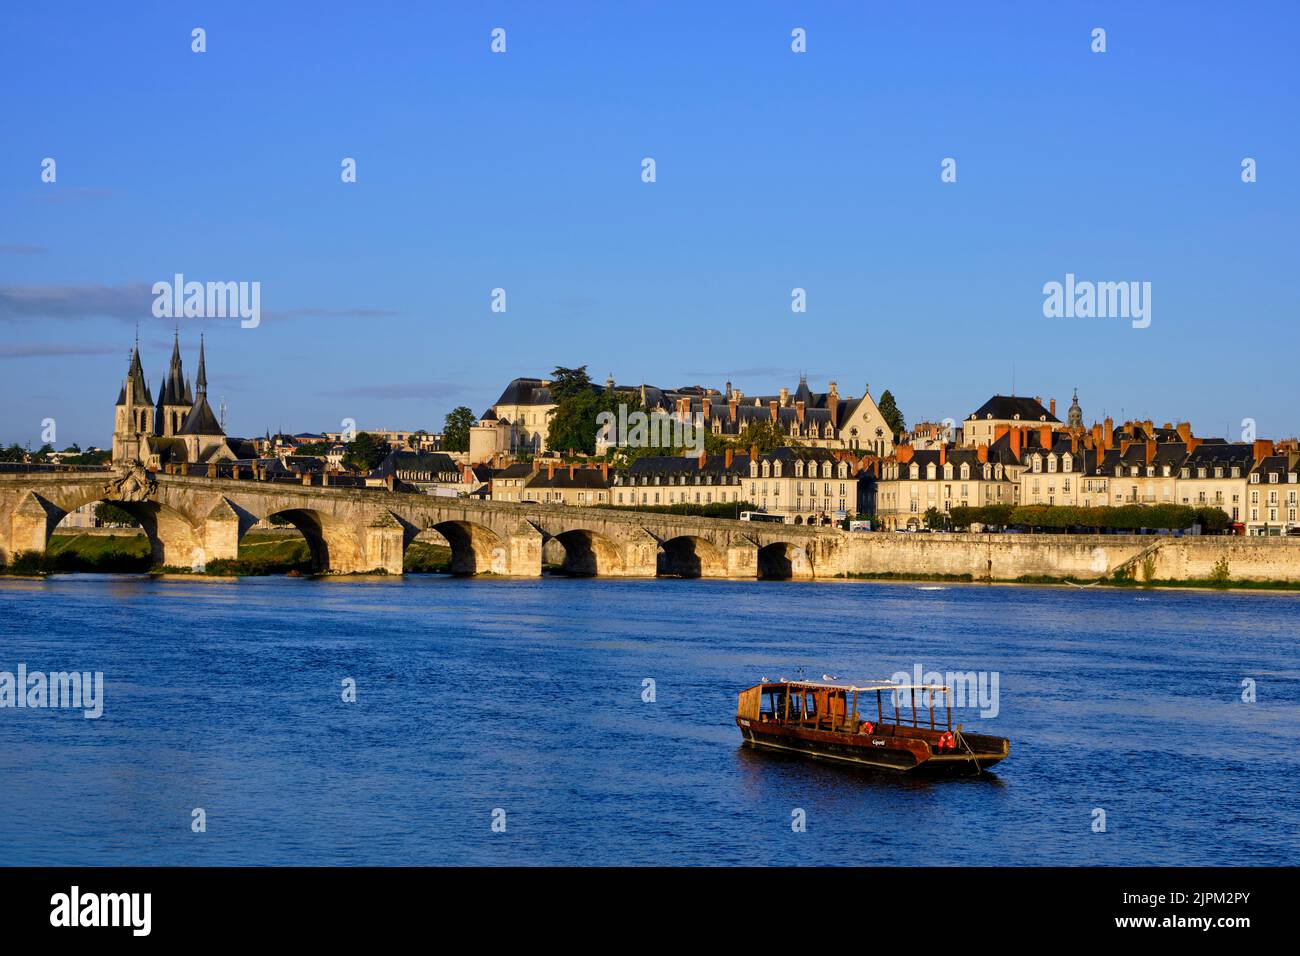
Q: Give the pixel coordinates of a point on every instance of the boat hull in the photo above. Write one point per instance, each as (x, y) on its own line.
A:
(886, 751)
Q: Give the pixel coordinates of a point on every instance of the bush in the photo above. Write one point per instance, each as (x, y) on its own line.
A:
(1104, 518)
(1220, 574)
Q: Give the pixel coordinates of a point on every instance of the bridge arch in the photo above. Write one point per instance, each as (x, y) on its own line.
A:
(782, 561)
(174, 541)
(691, 556)
(475, 548)
(332, 543)
(589, 554)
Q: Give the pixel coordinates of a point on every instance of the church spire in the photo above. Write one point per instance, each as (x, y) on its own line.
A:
(201, 382)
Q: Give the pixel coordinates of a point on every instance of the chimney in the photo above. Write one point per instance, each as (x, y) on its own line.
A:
(771, 407)
(1185, 431)
(982, 453)
(1193, 444)
(1123, 446)
(1074, 444)
(1263, 448)
(704, 458)
(753, 453)
(1052, 408)
(799, 411)
(833, 401)
(731, 410)
(1097, 444)
(730, 454)
(572, 470)
(468, 477)
(943, 454)
(999, 431)
(903, 453)
(389, 481)
(550, 470)
(707, 404)
(604, 471)
(1108, 435)
(1045, 436)
(785, 397)
(1015, 443)
(1151, 450)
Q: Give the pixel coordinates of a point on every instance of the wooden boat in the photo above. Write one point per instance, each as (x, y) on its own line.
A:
(822, 720)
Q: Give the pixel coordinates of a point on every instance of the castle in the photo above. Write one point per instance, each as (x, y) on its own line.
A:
(181, 428)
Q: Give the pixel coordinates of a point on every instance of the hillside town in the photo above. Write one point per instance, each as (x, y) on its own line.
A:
(796, 455)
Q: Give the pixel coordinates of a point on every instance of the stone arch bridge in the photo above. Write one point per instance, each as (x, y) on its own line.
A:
(193, 520)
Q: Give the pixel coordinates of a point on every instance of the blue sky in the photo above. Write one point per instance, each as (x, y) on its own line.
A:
(775, 170)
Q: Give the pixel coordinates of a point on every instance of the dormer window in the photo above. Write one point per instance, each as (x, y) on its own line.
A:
(914, 472)
(1272, 477)
(929, 471)
(1051, 463)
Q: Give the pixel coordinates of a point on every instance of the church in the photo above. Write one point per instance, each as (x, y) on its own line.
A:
(180, 429)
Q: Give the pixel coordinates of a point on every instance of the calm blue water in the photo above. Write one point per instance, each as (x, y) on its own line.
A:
(526, 696)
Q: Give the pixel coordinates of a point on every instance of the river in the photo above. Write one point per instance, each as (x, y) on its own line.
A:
(522, 702)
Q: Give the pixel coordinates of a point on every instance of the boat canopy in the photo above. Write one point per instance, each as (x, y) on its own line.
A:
(871, 685)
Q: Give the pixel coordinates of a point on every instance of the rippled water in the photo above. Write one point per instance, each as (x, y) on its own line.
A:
(526, 696)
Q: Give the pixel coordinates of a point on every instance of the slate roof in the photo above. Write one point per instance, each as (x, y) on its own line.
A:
(1010, 407)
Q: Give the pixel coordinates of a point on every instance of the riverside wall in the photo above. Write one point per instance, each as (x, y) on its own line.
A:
(1011, 556)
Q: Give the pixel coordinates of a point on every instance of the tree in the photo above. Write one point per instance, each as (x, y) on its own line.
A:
(455, 429)
(572, 425)
(893, 417)
(569, 383)
(766, 434)
(14, 452)
(935, 519)
(107, 513)
(366, 451)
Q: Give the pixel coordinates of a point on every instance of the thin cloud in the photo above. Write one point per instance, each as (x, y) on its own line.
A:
(313, 313)
(54, 350)
(56, 193)
(127, 303)
(21, 249)
(130, 302)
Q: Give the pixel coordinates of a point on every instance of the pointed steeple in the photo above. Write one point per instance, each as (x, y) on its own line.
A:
(134, 389)
(201, 382)
(175, 376)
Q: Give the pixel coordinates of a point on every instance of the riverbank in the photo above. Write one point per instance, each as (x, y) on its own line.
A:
(1122, 583)
(124, 551)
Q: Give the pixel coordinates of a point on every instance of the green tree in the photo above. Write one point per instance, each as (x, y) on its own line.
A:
(14, 452)
(455, 429)
(572, 425)
(108, 513)
(367, 451)
(935, 519)
(569, 383)
(893, 417)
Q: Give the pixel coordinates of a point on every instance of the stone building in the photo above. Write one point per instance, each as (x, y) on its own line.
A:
(180, 429)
